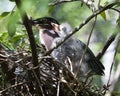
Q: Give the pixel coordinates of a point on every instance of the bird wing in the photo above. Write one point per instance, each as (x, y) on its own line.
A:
(95, 65)
(74, 48)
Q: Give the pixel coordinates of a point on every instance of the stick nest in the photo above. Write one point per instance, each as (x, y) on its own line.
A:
(18, 77)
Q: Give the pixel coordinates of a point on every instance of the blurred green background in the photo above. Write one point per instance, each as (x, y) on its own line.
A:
(13, 34)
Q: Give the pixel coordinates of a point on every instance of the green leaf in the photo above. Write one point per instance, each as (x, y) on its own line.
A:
(4, 14)
(12, 22)
(4, 36)
(11, 27)
(103, 14)
(16, 39)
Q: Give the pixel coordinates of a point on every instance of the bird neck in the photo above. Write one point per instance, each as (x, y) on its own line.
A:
(47, 37)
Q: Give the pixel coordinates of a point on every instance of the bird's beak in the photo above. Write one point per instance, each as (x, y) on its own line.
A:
(34, 22)
(56, 27)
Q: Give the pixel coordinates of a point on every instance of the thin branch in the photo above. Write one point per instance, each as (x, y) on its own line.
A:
(116, 49)
(83, 55)
(115, 10)
(113, 62)
(19, 84)
(115, 80)
(107, 44)
(89, 3)
(58, 88)
(60, 2)
(110, 40)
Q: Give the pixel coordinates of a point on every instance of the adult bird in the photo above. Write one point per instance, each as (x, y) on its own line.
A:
(71, 51)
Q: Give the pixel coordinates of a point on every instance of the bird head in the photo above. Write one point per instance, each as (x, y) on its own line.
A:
(48, 30)
(46, 23)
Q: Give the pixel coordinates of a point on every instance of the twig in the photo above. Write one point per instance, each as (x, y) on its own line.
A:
(21, 83)
(62, 1)
(113, 62)
(58, 88)
(107, 44)
(89, 3)
(115, 10)
(81, 60)
(110, 40)
(115, 80)
(41, 89)
(108, 83)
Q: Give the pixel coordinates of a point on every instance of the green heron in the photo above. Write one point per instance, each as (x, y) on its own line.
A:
(71, 51)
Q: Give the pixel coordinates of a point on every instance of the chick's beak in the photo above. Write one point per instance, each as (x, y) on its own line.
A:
(34, 22)
(56, 27)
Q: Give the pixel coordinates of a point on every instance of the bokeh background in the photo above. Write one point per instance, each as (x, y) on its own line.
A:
(13, 34)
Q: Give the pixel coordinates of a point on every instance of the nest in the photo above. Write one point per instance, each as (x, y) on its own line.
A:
(18, 77)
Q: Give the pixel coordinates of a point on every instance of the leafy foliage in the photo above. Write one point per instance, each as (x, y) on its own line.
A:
(13, 34)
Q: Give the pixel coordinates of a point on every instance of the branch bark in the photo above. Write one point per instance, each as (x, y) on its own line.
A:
(107, 44)
(28, 26)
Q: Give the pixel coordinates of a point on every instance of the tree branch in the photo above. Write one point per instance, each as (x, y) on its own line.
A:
(66, 1)
(107, 44)
(28, 26)
(113, 62)
(19, 84)
(83, 55)
(62, 1)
